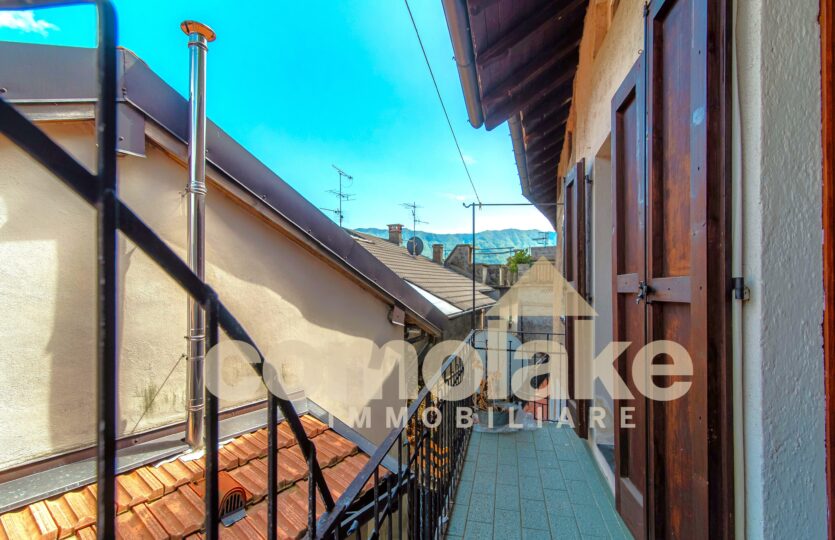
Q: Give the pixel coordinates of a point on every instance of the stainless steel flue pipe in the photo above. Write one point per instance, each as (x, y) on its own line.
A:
(199, 36)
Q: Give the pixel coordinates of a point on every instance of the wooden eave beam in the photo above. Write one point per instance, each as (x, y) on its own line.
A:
(535, 170)
(537, 91)
(534, 139)
(543, 152)
(552, 13)
(515, 83)
(551, 109)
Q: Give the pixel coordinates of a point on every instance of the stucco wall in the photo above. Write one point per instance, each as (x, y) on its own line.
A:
(778, 48)
(277, 289)
(604, 63)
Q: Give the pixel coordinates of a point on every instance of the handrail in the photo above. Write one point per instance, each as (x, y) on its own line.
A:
(100, 190)
(330, 522)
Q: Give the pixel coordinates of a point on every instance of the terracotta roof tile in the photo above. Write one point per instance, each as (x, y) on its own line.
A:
(80, 504)
(169, 481)
(243, 449)
(135, 488)
(252, 479)
(291, 465)
(63, 516)
(31, 522)
(87, 533)
(180, 513)
(312, 426)
(182, 472)
(139, 524)
(166, 501)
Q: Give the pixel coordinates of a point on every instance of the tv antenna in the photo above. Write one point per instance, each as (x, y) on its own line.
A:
(543, 240)
(414, 244)
(341, 195)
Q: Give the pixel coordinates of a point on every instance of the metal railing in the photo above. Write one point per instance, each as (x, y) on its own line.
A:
(113, 215)
(429, 448)
(551, 408)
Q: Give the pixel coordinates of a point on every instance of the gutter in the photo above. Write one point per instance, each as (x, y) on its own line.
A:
(458, 23)
(518, 139)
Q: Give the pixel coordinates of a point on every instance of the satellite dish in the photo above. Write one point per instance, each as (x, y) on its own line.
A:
(415, 246)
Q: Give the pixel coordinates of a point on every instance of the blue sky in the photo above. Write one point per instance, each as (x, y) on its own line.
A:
(303, 85)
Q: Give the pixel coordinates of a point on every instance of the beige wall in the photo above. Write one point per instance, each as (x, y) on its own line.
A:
(277, 289)
(608, 49)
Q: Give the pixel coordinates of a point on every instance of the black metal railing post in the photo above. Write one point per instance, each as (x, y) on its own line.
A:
(272, 468)
(212, 426)
(107, 287)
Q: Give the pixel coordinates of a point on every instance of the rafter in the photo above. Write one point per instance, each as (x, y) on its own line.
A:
(518, 80)
(542, 152)
(553, 12)
(554, 129)
(538, 169)
(552, 108)
(477, 6)
(538, 90)
(545, 188)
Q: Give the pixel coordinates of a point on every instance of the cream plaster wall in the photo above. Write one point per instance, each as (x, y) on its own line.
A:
(301, 311)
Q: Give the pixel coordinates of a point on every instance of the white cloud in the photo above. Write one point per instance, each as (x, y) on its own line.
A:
(25, 21)
(469, 160)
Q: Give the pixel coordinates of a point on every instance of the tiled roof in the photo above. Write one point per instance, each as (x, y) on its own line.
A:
(432, 277)
(165, 501)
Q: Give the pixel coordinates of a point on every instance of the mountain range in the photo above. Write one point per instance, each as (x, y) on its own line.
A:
(492, 246)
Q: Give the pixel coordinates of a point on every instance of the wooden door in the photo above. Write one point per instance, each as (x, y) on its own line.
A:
(629, 316)
(574, 257)
(675, 467)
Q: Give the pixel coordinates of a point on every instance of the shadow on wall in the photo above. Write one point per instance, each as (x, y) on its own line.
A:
(277, 289)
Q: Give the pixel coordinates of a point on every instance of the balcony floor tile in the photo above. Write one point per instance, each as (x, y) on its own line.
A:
(533, 485)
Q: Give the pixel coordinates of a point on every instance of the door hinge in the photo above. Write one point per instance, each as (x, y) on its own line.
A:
(741, 291)
(588, 179)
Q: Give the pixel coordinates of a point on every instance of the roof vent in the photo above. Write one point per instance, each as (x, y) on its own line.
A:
(232, 497)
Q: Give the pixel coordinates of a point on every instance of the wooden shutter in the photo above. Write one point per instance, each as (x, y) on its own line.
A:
(574, 196)
(671, 200)
(690, 456)
(628, 316)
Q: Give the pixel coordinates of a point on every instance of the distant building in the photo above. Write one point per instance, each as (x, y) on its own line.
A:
(548, 252)
(449, 291)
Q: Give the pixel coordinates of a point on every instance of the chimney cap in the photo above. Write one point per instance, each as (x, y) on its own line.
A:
(193, 27)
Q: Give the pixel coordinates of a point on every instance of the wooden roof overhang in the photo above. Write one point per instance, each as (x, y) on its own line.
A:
(516, 62)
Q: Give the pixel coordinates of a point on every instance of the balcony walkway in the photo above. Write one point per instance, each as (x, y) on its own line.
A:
(531, 485)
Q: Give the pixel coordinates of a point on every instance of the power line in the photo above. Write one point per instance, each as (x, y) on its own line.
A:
(441, 100)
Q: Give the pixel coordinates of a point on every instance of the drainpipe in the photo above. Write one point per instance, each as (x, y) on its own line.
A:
(458, 23)
(199, 35)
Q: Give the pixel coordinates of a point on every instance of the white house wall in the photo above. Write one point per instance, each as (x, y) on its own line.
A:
(778, 48)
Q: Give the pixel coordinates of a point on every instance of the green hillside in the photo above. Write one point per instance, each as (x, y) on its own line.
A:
(497, 246)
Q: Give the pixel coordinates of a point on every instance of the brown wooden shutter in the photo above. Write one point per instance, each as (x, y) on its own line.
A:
(575, 274)
(628, 261)
(687, 265)
(671, 234)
